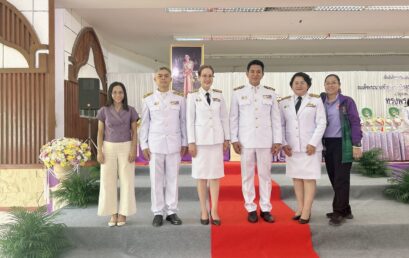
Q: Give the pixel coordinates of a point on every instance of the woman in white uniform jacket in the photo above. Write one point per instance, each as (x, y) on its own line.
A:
(304, 121)
(208, 137)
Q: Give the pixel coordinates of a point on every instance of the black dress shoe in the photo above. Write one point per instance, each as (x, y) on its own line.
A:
(252, 217)
(347, 216)
(336, 220)
(296, 217)
(174, 219)
(157, 221)
(267, 217)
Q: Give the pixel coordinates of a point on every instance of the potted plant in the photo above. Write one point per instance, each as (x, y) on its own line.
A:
(32, 234)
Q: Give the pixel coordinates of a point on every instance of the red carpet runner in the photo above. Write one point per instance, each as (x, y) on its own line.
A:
(237, 238)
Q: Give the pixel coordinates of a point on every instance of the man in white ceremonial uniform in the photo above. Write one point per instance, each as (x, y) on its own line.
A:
(163, 141)
(255, 126)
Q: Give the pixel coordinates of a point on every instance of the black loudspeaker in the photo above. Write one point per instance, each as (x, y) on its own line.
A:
(88, 93)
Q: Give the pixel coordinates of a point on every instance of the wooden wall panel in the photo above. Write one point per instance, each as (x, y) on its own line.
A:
(23, 116)
(17, 32)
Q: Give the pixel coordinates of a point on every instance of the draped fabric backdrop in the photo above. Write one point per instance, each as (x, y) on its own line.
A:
(376, 90)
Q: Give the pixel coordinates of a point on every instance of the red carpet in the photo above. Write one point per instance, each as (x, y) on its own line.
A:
(238, 238)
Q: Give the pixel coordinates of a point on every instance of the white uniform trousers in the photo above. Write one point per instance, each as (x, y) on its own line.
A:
(263, 157)
(164, 170)
(116, 165)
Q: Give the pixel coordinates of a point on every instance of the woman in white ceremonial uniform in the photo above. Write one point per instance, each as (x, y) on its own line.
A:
(303, 122)
(208, 137)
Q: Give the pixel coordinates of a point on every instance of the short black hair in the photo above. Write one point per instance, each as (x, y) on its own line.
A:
(110, 101)
(305, 76)
(255, 62)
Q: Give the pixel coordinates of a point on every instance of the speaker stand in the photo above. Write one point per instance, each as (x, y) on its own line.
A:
(89, 140)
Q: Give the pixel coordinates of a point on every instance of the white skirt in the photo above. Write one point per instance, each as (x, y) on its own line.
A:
(302, 166)
(208, 163)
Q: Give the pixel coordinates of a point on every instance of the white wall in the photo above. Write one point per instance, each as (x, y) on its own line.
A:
(36, 12)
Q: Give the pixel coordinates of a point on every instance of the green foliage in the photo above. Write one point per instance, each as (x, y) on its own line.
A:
(371, 164)
(32, 234)
(399, 188)
(78, 190)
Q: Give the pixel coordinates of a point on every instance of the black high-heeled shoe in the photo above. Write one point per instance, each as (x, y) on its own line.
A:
(304, 221)
(216, 222)
(204, 221)
(296, 217)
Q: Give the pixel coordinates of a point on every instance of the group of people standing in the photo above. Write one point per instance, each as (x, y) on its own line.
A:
(305, 126)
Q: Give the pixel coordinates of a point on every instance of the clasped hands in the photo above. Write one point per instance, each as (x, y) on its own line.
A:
(275, 149)
(193, 148)
(310, 149)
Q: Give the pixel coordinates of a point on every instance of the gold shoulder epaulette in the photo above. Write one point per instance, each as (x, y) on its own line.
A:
(147, 94)
(194, 91)
(270, 88)
(178, 93)
(238, 88)
(314, 95)
(284, 98)
(216, 90)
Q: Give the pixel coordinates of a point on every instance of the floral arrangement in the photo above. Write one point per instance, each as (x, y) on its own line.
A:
(64, 152)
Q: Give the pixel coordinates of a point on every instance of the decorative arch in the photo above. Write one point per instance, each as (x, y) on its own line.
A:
(86, 40)
(17, 32)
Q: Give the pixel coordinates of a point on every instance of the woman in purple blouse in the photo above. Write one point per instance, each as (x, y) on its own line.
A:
(116, 153)
(342, 143)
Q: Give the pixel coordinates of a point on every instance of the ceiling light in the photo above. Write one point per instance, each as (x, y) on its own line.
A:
(300, 55)
(396, 36)
(339, 8)
(307, 37)
(186, 10)
(387, 8)
(346, 36)
(320, 8)
(329, 36)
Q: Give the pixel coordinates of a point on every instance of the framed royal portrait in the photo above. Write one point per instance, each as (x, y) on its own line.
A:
(185, 61)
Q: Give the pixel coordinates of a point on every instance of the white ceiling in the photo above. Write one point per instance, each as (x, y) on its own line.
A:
(145, 28)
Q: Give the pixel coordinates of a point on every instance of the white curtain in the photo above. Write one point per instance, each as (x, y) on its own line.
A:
(369, 89)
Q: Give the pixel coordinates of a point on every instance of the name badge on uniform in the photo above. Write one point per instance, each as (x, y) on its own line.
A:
(243, 97)
(198, 100)
(311, 105)
(267, 96)
(156, 103)
(216, 99)
(174, 102)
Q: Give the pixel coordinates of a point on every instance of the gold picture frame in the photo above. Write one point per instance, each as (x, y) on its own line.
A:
(185, 61)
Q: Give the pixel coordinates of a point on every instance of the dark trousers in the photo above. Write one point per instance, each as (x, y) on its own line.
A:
(339, 174)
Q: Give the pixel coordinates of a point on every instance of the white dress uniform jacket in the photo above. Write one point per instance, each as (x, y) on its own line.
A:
(163, 131)
(249, 111)
(163, 127)
(207, 124)
(307, 126)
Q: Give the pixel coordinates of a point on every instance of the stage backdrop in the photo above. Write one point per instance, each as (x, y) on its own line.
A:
(375, 90)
